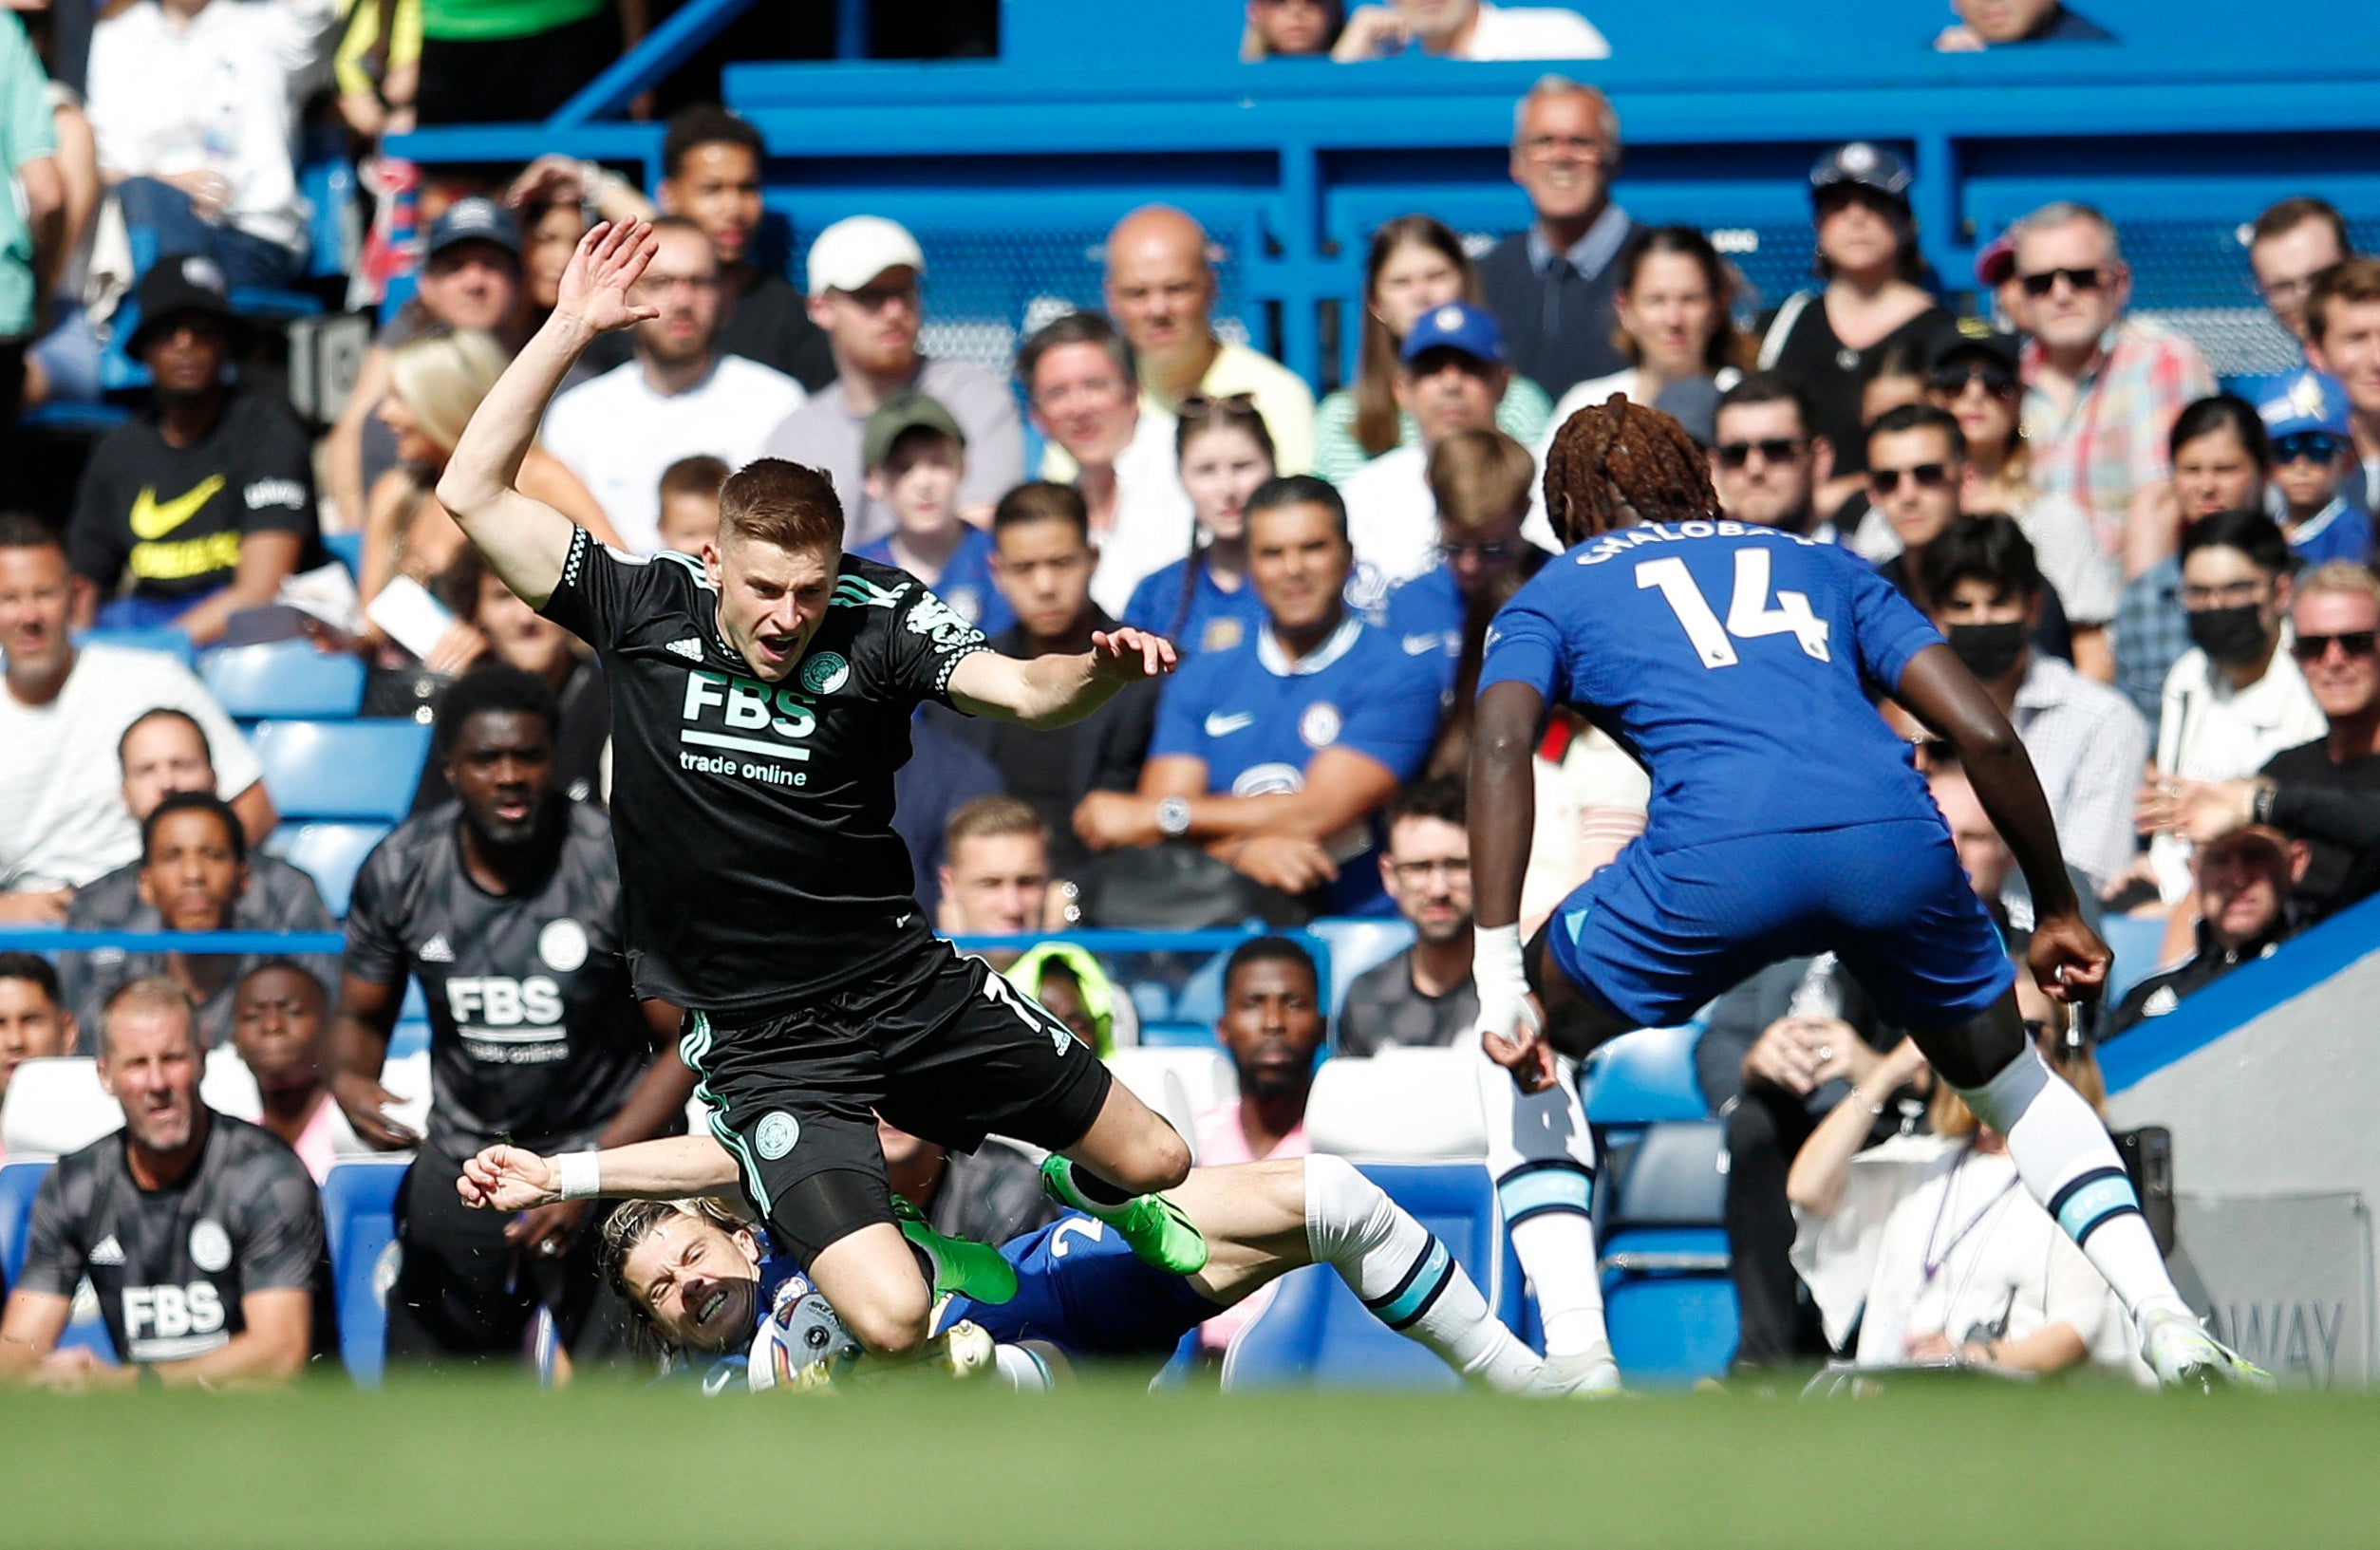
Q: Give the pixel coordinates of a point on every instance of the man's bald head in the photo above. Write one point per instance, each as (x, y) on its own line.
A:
(1160, 289)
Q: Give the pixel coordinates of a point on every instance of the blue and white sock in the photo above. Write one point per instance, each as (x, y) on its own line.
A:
(1541, 1156)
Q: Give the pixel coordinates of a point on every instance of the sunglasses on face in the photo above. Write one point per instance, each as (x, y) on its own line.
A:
(1495, 551)
(1779, 449)
(2045, 281)
(1925, 475)
(1951, 382)
(2355, 642)
(2319, 446)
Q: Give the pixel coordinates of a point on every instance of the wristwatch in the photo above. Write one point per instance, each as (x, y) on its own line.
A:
(1173, 816)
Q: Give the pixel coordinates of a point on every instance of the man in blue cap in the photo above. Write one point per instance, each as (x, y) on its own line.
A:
(2314, 454)
(1451, 374)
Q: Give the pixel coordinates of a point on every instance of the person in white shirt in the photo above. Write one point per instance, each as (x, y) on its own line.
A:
(1078, 379)
(1451, 375)
(195, 104)
(1672, 294)
(65, 710)
(1468, 29)
(678, 398)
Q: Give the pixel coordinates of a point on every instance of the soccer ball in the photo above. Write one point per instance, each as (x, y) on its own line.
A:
(802, 1344)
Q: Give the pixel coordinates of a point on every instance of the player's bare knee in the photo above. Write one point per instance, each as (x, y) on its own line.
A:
(893, 1322)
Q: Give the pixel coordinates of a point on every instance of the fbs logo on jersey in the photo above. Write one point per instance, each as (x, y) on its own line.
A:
(825, 673)
(777, 1134)
(742, 716)
(153, 518)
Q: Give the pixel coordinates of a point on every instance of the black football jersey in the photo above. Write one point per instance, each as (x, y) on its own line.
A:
(536, 1036)
(755, 820)
(171, 1265)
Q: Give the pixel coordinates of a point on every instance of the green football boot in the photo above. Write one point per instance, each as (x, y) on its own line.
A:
(1153, 1227)
(961, 1266)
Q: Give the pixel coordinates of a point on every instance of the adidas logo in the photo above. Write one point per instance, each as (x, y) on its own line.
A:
(108, 1251)
(436, 951)
(690, 649)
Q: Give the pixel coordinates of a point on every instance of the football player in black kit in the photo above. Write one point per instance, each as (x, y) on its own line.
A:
(762, 697)
(201, 1234)
(505, 903)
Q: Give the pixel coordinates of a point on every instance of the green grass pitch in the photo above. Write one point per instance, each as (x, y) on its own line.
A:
(455, 1465)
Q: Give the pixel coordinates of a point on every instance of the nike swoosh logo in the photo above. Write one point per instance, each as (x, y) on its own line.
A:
(153, 518)
(1223, 726)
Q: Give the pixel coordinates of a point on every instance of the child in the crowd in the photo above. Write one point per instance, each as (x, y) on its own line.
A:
(2305, 417)
(916, 456)
(689, 503)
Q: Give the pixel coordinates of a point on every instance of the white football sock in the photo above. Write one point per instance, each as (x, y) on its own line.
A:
(1031, 1368)
(2069, 1164)
(1400, 1271)
(1541, 1157)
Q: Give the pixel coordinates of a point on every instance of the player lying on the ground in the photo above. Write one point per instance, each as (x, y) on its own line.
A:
(706, 1281)
(1740, 664)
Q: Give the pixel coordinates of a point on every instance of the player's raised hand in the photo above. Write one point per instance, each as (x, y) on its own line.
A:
(597, 282)
(2068, 960)
(508, 1179)
(1129, 654)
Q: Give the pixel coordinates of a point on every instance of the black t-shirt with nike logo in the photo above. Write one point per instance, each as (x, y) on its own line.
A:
(164, 522)
(755, 820)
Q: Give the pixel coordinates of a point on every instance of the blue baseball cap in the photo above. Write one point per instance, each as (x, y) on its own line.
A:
(2301, 401)
(1458, 325)
(474, 219)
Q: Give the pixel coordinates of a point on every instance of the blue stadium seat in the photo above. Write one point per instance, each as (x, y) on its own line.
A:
(1173, 1034)
(348, 549)
(409, 1038)
(19, 1182)
(1355, 945)
(1646, 1077)
(1666, 1294)
(92, 420)
(1315, 1334)
(2136, 942)
(163, 638)
(330, 854)
(359, 1203)
(359, 771)
(415, 1007)
(284, 679)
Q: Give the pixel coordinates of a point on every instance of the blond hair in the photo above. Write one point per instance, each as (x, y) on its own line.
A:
(156, 992)
(440, 374)
(1476, 476)
(2340, 576)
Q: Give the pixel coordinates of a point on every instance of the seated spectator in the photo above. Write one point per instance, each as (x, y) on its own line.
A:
(196, 106)
(864, 296)
(1551, 287)
(2242, 881)
(689, 503)
(711, 162)
(1161, 292)
(436, 381)
(1828, 340)
(1291, 28)
(2343, 342)
(1202, 602)
(2009, 1291)
(555, 199)
(519, 636)
(995, 873)
(1077, 377)
(1766, 464)
(1468, 29)
(1984, 856)
(1275, 754)
(2084, 739)
(471, 278)
(377, 68)
(679, 397)
(32, 235)
(1451, 375)
(1416, 265)
(2001, 24)
(2313, 456)
(2102, 390)
(516, 60)
(988, 1195)
(164, 752)
(63, 822)
(916, 460)
(34, 1022)
(1424, 995)
(1273, 1027)
(194, 877)
(2334, 615)
(203, 504)
(944, 774)
(2221, 461)
(2289, 246)
(1072, 987)
(1041, 561)
(1672, 297)
(201, 1234)
(277, 1017)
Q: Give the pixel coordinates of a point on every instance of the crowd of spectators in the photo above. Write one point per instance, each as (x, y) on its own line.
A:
(2166, 588)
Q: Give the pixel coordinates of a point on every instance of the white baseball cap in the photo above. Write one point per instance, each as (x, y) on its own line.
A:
(856, 249)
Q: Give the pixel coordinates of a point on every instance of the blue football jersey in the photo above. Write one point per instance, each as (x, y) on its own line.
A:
(1428, 605)
(1080, 1288)
(965, 582)
(1737, 663)
(1214, 620)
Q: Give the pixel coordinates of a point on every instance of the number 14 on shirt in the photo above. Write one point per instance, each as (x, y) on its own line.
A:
(1749, 615)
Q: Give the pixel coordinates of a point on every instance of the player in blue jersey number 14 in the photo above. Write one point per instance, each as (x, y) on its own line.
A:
(1740, 664)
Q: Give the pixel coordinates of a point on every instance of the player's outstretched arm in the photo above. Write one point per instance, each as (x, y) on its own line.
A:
(1505, 729)
(516, 1178)
(1056, 690)
(525, 540)
(2067, 957)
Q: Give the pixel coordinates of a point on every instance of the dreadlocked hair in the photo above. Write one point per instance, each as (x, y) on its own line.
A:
(1615, 463)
